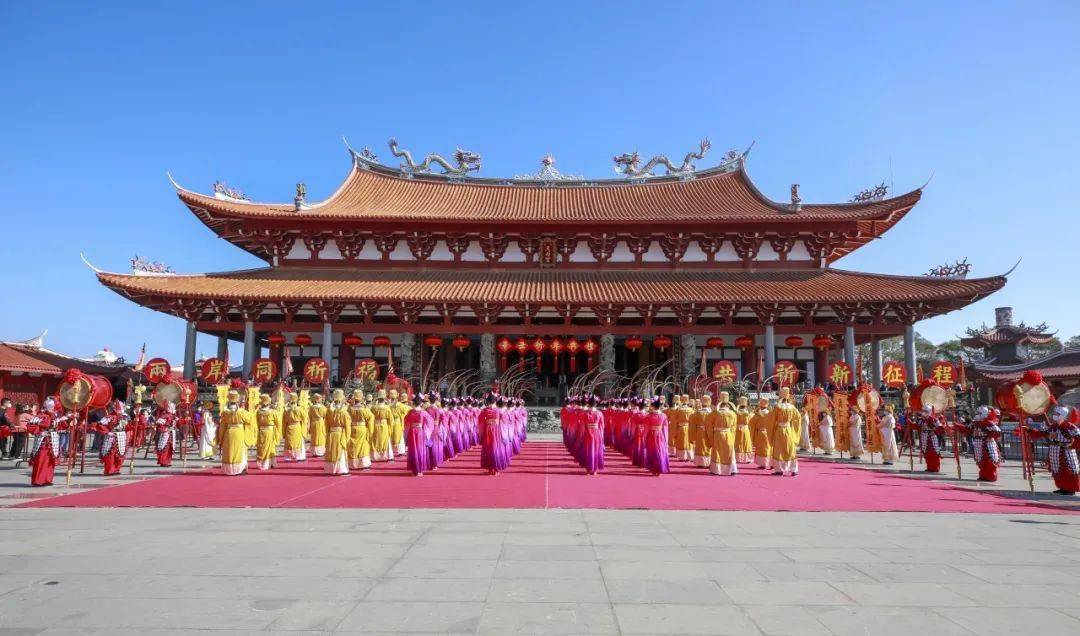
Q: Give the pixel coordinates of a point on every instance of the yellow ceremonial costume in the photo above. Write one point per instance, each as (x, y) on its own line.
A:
(744, 441)
(268, 420)
(251, 405)
(398, 411)
(669, 413)
(338, 431)
(784, 423)
(759, 432)
(722, 437)
(381, 441)
(699, 432)
(680, 426)
(232, 436)
(363, 425)
(294, 421)
(317, 425)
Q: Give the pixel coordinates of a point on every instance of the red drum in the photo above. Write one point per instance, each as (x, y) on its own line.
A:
(1034, 398)
(177, 391)
(930, 394)
(80, 391)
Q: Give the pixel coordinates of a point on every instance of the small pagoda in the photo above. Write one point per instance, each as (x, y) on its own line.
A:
(1005, 348)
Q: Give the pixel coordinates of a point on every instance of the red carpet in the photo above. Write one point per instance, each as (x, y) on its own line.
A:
(545, 476)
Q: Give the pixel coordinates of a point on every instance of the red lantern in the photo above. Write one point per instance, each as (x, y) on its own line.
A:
(662, 342)
(433, 341)
(276, 338)
(634, 343)
(715, 343)
(538, 347)
(522, 346)
(794, 341)
(724, 371)
(352, 340)
(461, 342)
(744, 342)
(590, 348)
(505, 347)
(822, 342)
(572, 348)
(381, 341)
(556, 346)
(302, 340)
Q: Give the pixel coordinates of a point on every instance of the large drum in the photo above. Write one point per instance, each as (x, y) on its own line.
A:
(179, 392)
(1034, 398)
(80, 391)
(932, 395)
(866, 400)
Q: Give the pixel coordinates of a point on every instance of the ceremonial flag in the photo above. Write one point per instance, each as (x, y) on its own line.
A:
(962, 375)
(858, 367)
(142, 358)
(702, 370)
(919, 377)
(286, 363)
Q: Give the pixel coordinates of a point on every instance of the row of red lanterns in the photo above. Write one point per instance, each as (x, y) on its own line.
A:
(794, 342)
(349, 340)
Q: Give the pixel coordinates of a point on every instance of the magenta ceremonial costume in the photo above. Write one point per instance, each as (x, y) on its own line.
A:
(655, 447)
(418, 425)
(592, 439)
(985, 433)
(1063, 438)
(436, 448)
(166, 431)
(637, 430)
(493, 456)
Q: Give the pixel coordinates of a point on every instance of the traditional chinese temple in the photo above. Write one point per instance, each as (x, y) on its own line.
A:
(1005, 349)
(29, 371)
(449, 270)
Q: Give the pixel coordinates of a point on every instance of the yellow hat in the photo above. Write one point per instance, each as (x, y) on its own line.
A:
(358, 394)
(338, 395)
(382, 394)
(233, 395)
(706, 399)
(743, 400)
(293, 397)
(318, 397)
(724, 396)
(265, 398)
(393, 393)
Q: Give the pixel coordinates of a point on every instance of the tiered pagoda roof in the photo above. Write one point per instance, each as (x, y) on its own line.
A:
(702, 250)
(716, 200)
(1062, 366)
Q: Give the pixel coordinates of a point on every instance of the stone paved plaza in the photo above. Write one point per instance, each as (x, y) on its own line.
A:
(141, 571)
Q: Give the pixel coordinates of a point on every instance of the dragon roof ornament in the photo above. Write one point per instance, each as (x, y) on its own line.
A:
(224, 192)
(629, 163)
(142, 266)
(465, 161)
(548, 173)
(958, 270)
(876, 193)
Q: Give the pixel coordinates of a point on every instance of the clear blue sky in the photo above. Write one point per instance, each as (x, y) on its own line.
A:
(100, 99)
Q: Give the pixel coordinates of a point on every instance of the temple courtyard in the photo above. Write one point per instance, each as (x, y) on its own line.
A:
(301, 562)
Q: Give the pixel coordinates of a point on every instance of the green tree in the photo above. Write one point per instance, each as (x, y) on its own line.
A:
(1073, 343)
(1034, 352)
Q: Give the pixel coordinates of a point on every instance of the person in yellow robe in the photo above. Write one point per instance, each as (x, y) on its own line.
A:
(232, 435)
(399, 408)
(268, 419)
(382, 448)
(721, 426)
(294, 423)
(759, 432)
(680, 426)
(699, 432)
(784, 423)
(744, 441)
(338, 432)
(317, 425)
(669, 413)
(363, 425)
